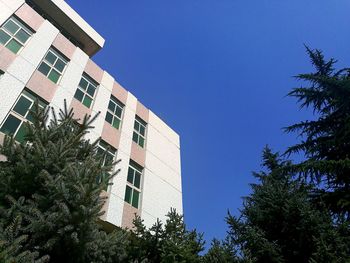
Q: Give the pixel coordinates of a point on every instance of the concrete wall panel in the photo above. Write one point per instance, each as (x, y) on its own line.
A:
(117, 190)
(128, 124)
(67, 86)
(164, 129)
(5, 12)
(165, 172)
(115, 210)
(107, 81)
(148, 219)
(12, 5)
(100, 105)
(119, 181)
(22, 69)
(160, 146)
(160, 201)
(10, 89)
(80, 58)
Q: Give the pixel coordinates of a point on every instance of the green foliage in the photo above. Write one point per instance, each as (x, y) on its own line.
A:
(12, 243)
(279, 223)
(168, 243)
(51, 182)
(221, 252)
(326, 140)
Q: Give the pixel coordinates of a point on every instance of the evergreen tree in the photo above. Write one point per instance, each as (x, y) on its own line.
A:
(221, 252)
(279, 223)
(11, 242)
(54, 180)
(168, 243)
(326, 140)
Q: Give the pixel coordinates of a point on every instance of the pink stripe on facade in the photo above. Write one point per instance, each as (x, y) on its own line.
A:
(129, 213)
(30, 17)
(79, 110)
(138, 154)
(104, 209)
(94, 71)
(111, 135)
(2, 138)
(2, 157)
(6, 57)
(120, 93)
(42, 86)
(64, 46)
(142, 111)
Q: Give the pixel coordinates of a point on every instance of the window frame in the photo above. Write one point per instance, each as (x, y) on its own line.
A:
(117, 104)
(21, 26)
(22, 118)
(106, 147)
(90, 81)
(52, 65)
(132, 196)
(141, 123)
(136, 168)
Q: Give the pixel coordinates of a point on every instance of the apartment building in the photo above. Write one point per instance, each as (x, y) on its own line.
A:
(46, 52)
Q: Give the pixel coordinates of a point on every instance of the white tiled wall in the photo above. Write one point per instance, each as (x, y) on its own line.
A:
(162, 188)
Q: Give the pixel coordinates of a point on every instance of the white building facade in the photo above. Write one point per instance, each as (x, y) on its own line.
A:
(45, 53)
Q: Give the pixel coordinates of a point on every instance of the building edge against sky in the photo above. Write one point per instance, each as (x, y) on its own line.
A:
(45, 53)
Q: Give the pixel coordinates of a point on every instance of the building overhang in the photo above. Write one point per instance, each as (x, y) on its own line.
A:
(71, 24)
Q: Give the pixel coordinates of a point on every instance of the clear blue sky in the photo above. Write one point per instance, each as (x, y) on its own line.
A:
(217, 71)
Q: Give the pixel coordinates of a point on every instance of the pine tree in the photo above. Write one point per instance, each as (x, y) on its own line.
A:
(325, 140)
(57, 176)
(221, 252)
(12, 242)
(279, 223)
(168, 243)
